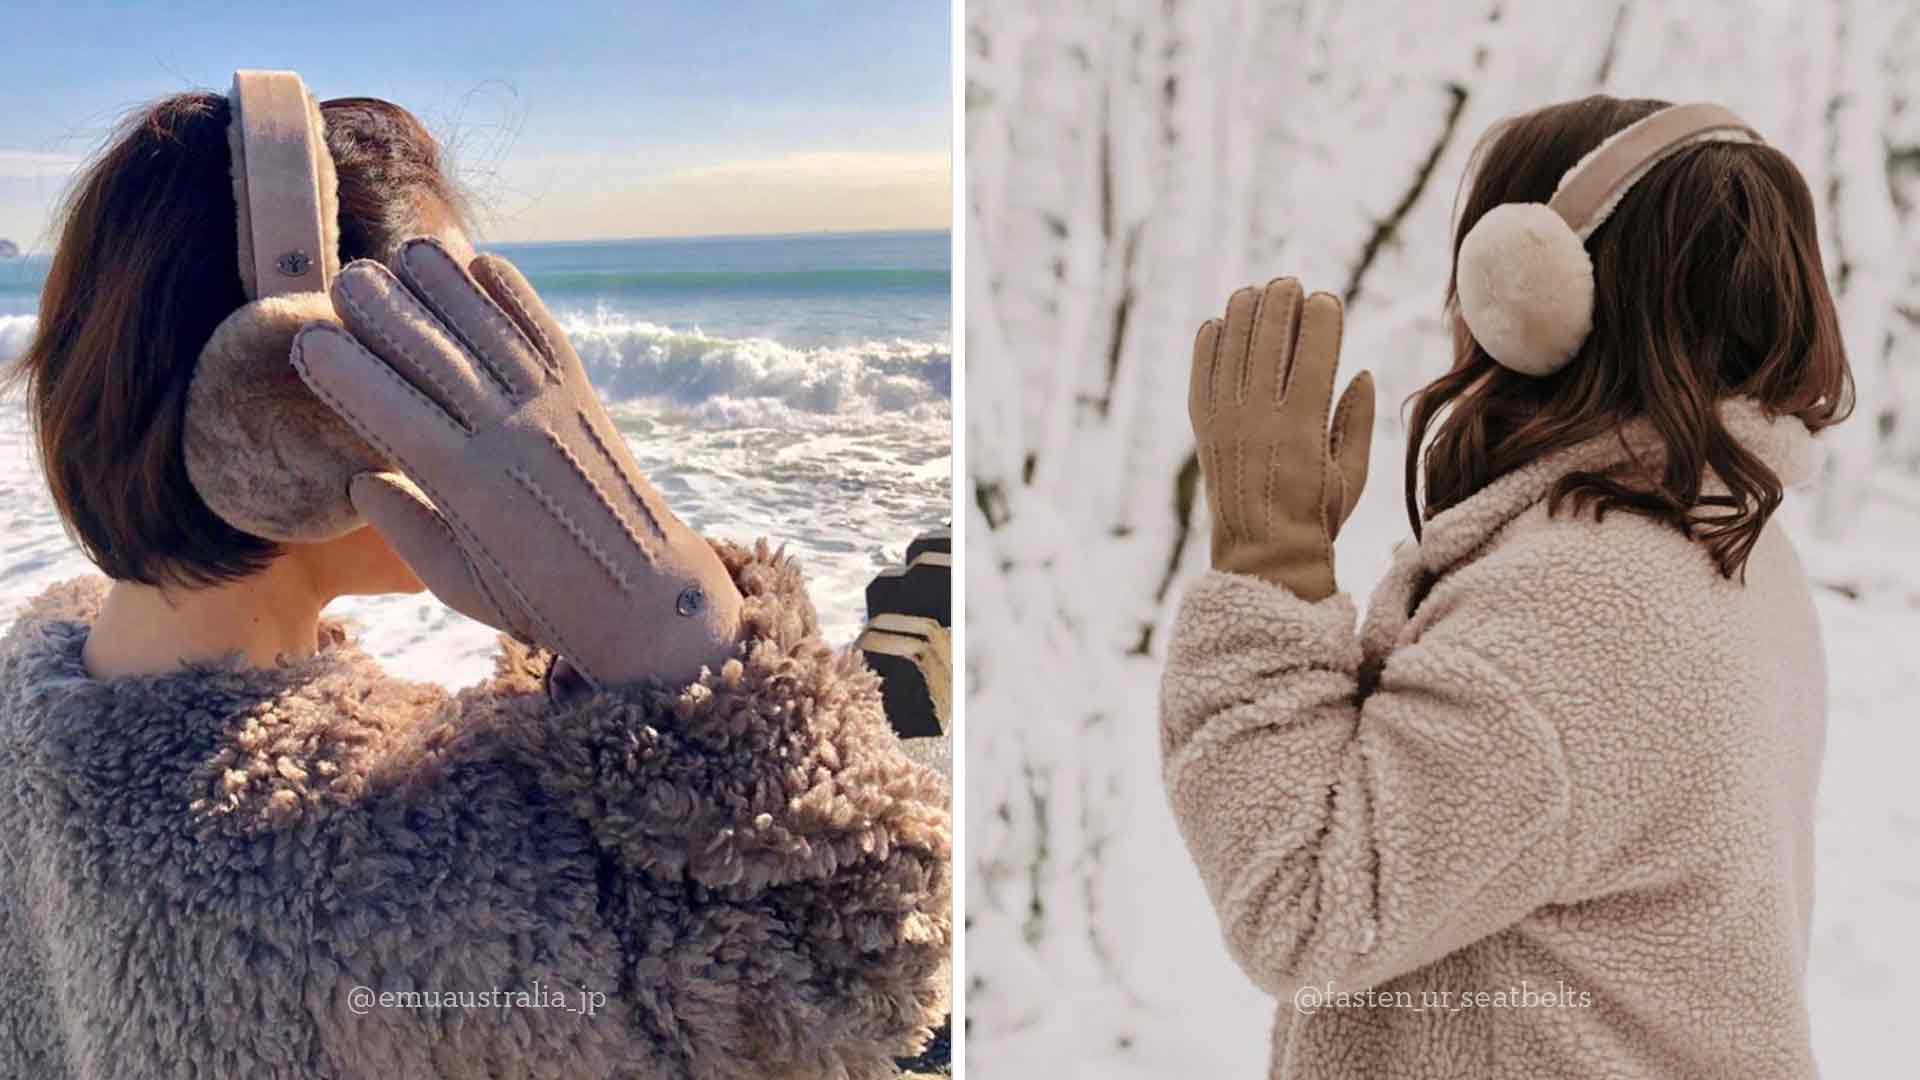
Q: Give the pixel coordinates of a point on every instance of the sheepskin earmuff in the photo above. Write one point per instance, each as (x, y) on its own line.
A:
(265, 454)
(1524, 276)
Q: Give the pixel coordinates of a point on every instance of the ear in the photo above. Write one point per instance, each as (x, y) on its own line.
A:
(265, 454)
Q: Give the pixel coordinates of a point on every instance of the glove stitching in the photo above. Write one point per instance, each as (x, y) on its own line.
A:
(559, 513)
(1213, 378)
(566, 454)
(1283, 377)
(473, 572)
(1240, 529)
(1273, 473)
(1199, 396)
(452, 403)
(432, 407)
(527, 605)
(485, 362)
(1253, 348)
(1336, 444)
(447, 512)
(1327, 465)
(625, 480)
(486, 591)
(1219, 484)
(548, 358)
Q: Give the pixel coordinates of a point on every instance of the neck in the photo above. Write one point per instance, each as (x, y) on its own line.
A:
(262, 619)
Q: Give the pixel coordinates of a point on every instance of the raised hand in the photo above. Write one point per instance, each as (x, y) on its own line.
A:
(521, 505)
(1280, 484)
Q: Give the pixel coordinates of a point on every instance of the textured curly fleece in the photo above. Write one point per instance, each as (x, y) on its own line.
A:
(199, 867)
(1561, 756)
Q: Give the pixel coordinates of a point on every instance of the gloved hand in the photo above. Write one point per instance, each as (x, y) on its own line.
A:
(1278, 484)
(525, 509)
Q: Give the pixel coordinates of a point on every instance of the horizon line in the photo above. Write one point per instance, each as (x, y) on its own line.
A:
(28, 252)
(789, 234)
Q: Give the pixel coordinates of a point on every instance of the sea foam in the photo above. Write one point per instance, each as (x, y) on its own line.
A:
(728, 380)
(633, 360)
(15, 332)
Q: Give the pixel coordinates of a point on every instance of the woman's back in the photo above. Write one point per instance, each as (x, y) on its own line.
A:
(206, 871)
(1550, 814)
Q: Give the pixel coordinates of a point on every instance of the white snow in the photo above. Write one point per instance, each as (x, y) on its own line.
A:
(1129, 164)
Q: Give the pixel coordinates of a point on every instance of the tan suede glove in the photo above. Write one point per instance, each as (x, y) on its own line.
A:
(540, 523)
(1278, 484)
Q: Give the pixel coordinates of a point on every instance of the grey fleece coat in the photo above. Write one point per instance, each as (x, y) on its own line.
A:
(745, 878)
(1548, 814)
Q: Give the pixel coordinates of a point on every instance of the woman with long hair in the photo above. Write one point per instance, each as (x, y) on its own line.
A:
(1548, 811)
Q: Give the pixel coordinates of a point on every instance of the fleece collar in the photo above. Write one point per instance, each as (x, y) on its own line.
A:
(1454, 534)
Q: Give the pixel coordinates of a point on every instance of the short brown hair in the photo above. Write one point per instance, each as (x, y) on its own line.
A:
(145, 268)
(1708, 285)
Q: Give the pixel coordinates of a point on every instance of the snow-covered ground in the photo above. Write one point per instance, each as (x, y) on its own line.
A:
(1129, 164)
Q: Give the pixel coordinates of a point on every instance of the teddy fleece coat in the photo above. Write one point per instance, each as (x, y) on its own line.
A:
(745, 877)
(1548, 814)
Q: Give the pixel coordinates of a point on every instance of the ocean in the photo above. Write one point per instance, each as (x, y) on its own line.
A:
(791, 387)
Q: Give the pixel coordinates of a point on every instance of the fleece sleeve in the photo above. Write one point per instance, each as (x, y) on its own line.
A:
(763, 877)
(1346, 838)
(781, 870)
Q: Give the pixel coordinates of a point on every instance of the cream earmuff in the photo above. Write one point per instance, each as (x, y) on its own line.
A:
(265, 454)
(1524, 276)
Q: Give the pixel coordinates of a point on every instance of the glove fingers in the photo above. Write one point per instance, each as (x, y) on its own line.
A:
(1270, 353)
(1201, 408)
(384, 407)
(1230, 371)
(503, 349)
(385, 315)
(636, 508)
(503, 282)
(1351, 447)
(1316, 354)
(1206, 347)
(428, 544)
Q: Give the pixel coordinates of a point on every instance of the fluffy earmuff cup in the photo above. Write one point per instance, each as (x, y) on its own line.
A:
(1525, 284)
(264, 453)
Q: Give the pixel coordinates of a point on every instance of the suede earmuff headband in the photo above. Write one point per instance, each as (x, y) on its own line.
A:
(1593, 187)
(277, 184)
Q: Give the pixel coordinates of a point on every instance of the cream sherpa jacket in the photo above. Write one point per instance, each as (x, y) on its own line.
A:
(746, 878)
(1549, 814)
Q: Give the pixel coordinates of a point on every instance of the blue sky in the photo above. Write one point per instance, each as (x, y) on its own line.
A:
(565, 120)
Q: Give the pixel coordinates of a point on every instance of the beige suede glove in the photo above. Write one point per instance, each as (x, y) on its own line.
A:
(539, 522)
(1278, 484)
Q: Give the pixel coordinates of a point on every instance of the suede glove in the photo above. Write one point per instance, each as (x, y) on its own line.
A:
(1278, 483)
(521, 505)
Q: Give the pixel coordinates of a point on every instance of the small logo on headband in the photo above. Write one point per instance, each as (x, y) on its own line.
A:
(295, 263)
(691, 600)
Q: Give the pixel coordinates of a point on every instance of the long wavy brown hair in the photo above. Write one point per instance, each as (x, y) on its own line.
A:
(1708, 285)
